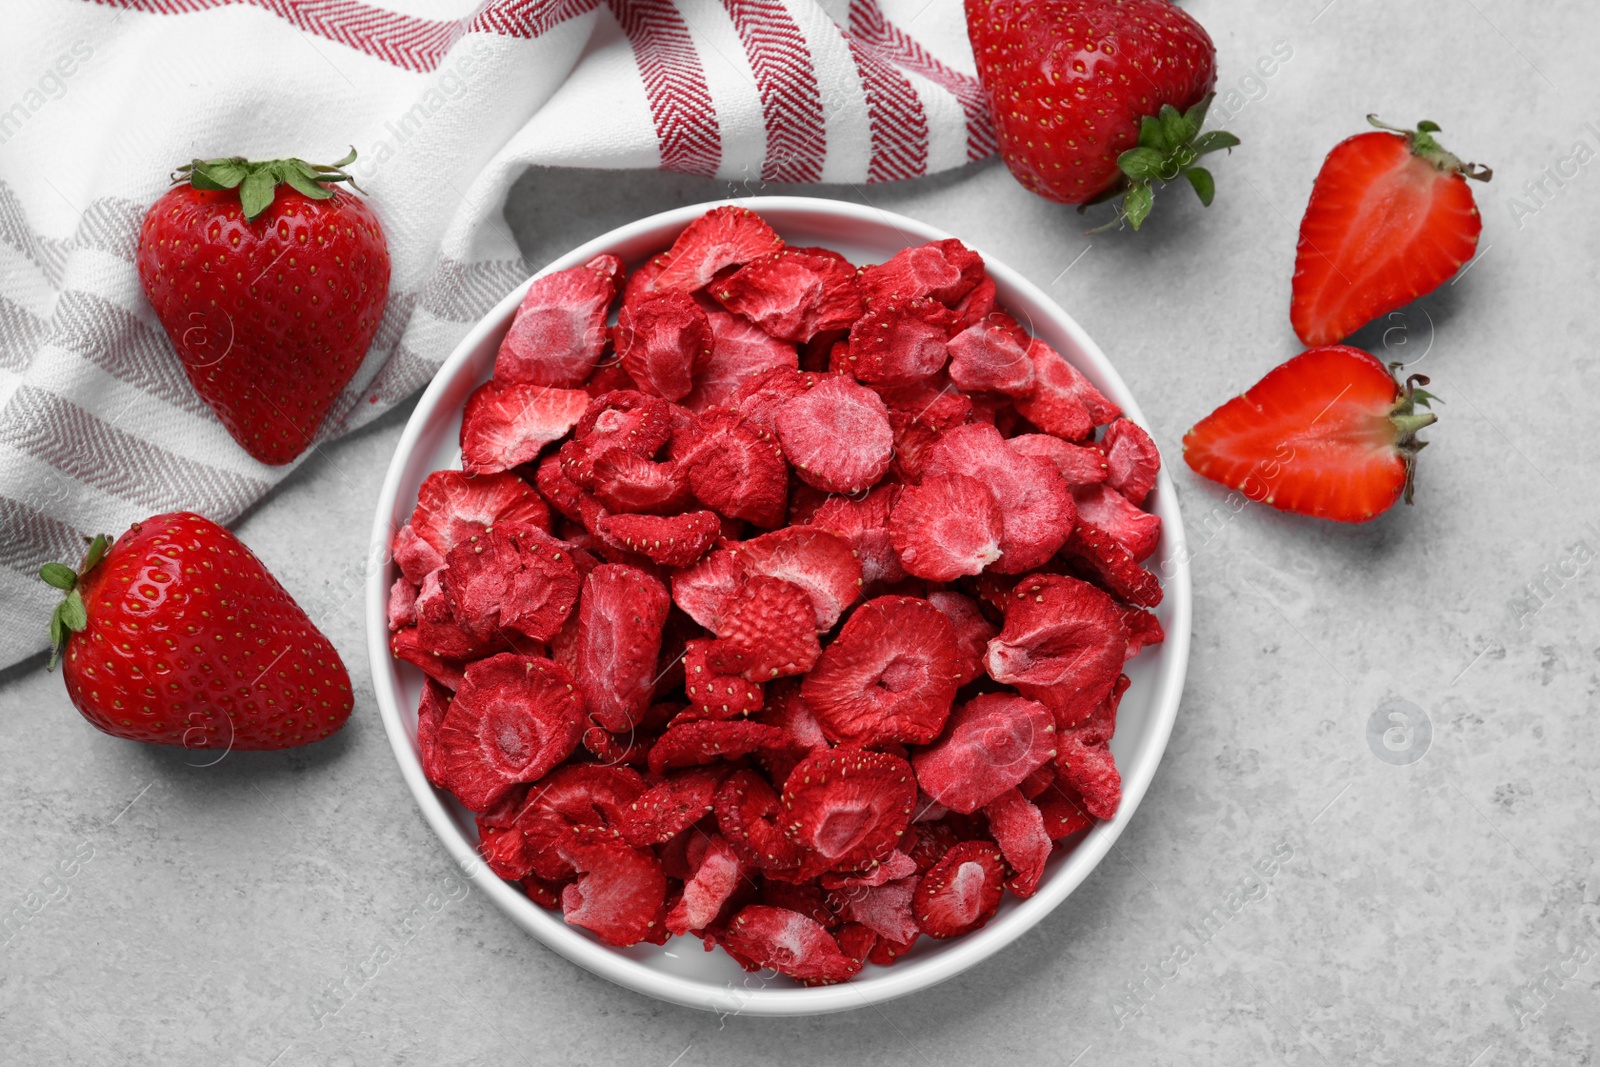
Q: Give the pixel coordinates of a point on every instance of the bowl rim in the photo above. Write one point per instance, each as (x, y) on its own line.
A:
(889, 983)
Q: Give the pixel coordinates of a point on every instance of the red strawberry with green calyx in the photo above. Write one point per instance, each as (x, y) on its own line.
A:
(270, 285)
(1094, 99)
(177, 635)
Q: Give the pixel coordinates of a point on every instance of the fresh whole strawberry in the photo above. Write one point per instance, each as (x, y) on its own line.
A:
(177, 635)
(1391, 218)
(1329, 434)
(1093, 98)
(270, 295)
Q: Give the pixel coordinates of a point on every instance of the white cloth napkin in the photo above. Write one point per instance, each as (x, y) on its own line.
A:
(447, 101)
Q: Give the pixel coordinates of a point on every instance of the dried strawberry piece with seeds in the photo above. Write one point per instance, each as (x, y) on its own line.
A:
(513, 719)
(793, 294)
(1035, 503)
(559, 330)
(895, 866)
(408, 645)
(713, 695)
(1062, 645)
(722, 237)
(977, 305)
(1092, 771)
(856, 941)
(440, 632)
(672, 541)
(694, 744)
(816, 560)
(1106, 509)
(733, 470)
(1078, 465)
(512, 576)
(960, 893)
(670, 807)
(663, 340)
(992, 356)
(944, 270)
(620, 894)
(767, 628)
(717, 878)
(1063, 401)
(884, 909)
(947, 526)
(1019, 830)
(622, 481)
(579, 800)
(416, 557)
(1063, 811)
(506, 425)
(889, 675)
(1099, 725)
(973, 632)
(900, 341)
(635, 422)
(453, 506)
(401, 610)
(864, 525)
(1108, 560)
(837, 435)
(630, 749)
(848, 808)
(564, 494)
(1144, 629)
(886, 952)
(701, 589)
(1132, 460)
(789, 943)
(430, 713)
(760, 398)
(990, 744)
(740, 352)
(621, 614)
(748, 813)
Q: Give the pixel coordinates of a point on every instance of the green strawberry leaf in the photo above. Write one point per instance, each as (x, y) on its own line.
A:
(74, 616)
(1429, 126)
(1174, 127)
(1215, 141)
(256, 193)
(1142, 164)
(59, 575)
(217, 174)
(304, 185)
(1205, 186)
(97, 552)
(58, 636)
(258, 180)
(1153, 135)
(1137, 204)
(1196, 116)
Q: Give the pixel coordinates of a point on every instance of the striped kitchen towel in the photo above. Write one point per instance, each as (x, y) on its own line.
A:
(447, 102)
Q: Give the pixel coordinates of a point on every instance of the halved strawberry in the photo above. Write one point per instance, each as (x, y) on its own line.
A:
(848, 808)
(1106, 509)
(1019, 829)
(789, 943)
(837, 435)
(740, 352)
(948, 526)
(766, 629)
(513, 719)
(504, 425)
(1035, 503)
(1063, 401)
(889, 675)
(992, 356)
(943, 270)
(513, 576)
(733, 470)
(990, 744)
(620, 894)
(1330, 434)
(864, 526)
(794, 294)
(621, 614)
(722, 237)
(559, 330)
(672, 541)
(900, 341)
(1077, 464)
(960, 893)
(716, 879)
(1391, 218)
(453, 506)
(973, 632)
(1062, 645)
(1132, 460)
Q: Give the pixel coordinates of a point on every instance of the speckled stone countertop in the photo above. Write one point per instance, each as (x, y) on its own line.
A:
(1372, 839)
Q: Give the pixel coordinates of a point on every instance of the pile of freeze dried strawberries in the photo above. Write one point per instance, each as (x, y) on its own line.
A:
(789, 611)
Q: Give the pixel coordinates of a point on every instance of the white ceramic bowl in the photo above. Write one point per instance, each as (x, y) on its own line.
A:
(681, 971)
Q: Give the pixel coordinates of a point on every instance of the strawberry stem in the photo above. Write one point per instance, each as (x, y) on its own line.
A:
(1170, 143)
(1423, 144)
(70, 615)
(258, 180)
(1407, 420)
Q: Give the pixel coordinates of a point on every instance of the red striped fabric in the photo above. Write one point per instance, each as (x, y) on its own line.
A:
(872, 29)
(675, 83)
(791, 102)
(895, 116)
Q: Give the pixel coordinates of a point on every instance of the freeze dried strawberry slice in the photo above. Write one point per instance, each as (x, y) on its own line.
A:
(513, 718)
(620, 894)
(1035, 503)
(944, 270)
(864, 526)
(1132, 459)
(416, 557)
(740, 351)
(760, 398)
(884, 909)
(1063, 402)
(665, 810)
(512, 576)
(748, 810)
(1062, 645)
(1099, 725)
(900, 341)
(621, 614)
(1063, 811)
(672, 541)
(977, 305)
(848, 807)
(560, 327)
(973, 632)
(817, 561)
(453, 506)
(693, 744)
(1144, 629)
(663, 340)
(992, 356)
(1077, 464)
(886, 952)
(1108, 560)
(576, 801)
(626, 482)
(793, 294)
(713, 695)
(806, 897)
(789, 943)
(856, 941)
(441, 632)
(564, 494)
(430, 713)
(722, 237)
(635, 422)
(948, 526)
(700, 590)
(409, 646)
(1091, 770)
(788, 711)
(930, 840)
(990, 744)
(733, 470)
(717, 878)
(631, 749)
(895, 866)
(766, 629)
(504, 425)
(402, 606)
(960, 893)
(889, 675)
(506, 851)
(1106, 509)
(837, 435)
(1018, 828)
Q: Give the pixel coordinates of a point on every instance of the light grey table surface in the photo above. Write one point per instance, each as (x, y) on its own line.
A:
(1442, 911)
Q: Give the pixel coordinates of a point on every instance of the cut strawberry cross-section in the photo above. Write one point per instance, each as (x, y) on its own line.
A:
(900, 341)
(837, 435)
(864, 526)
(789, 943)
(889, 676)
(991, 744)
(717, 878)
(1062, 645)
(733, 470)
(700, 590)
(1132, 459)
(817, 561)
(621, 614)
(722, 237)
(961, 892)
(1077, 464)
(948, 526)
(505, 425)
(992, 356)
(847, 807)
(1130, 526)
(884, 909)
(512, 577)
(944, 270)
(453, 506)
(559, 330)
(740, 352)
